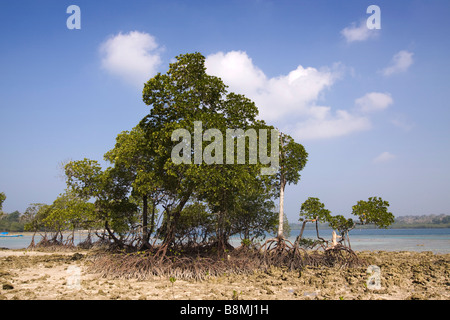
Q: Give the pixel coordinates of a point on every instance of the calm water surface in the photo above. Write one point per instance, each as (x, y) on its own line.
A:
(435, 240)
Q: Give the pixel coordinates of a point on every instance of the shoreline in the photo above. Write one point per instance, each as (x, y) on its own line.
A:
(36, 275)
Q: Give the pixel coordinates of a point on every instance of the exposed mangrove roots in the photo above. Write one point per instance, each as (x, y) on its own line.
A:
(199, 266)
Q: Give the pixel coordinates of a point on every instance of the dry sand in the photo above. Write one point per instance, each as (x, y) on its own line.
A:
(32, 275)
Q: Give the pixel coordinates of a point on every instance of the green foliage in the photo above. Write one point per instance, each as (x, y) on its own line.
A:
(67, 212)
(172, 281)
(443, 220)
(340, 223)
(236, 295)
(423, 221)
(70, 212)
(132, 153)
(2, 199)
(108, 188)
(246, 242)
(307, 243)
(12, 222)
(34, 216)
(84, 177)
(286, 227)
(313, 209)
(180, 97)
(253, 214)
(196, 224)
(293, 159)
(374, 211)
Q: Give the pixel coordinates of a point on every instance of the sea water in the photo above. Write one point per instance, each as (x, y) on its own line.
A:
(436, 240)
(24, 241)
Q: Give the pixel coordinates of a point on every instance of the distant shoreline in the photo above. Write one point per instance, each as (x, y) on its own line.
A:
(297, 226)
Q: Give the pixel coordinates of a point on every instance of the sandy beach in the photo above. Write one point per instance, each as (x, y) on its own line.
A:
(35, 275)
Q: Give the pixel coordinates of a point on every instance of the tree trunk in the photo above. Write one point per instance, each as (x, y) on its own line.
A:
(282, 185)
(222, 234)
(317, 231)
(348, 240)
(145, 235)
(152, 227)
(32, 245)
(112, 236)
(281, 214)
(70, 238)
(170, 235)
(300, 236)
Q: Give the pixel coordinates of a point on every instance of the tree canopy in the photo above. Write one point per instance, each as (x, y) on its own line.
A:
(2, 199)
(373, 211)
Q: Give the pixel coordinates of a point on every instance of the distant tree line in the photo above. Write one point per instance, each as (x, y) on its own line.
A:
(401, 222)
(12, 222)
(422, 221)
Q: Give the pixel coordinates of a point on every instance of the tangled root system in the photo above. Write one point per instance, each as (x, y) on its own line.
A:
(144, 265)
(280, 253)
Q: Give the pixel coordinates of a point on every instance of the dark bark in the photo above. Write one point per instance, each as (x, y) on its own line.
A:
(317, 231)
(145, 234)
(300, 236)
(152, 227)
(117, 241)
(172, 222)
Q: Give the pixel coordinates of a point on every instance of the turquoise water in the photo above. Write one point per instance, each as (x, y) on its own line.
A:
(435, 240)
(15, 243)
(24, 241)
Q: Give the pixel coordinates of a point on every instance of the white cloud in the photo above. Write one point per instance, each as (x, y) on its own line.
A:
(289, 100)
(400, 63)
(374, 101)
(330, 126)
(134, 56)
(237, 70)
(358, 32)
(279, 97)
(384, 157)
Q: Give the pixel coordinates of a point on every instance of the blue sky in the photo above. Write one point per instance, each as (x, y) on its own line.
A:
(370, 106)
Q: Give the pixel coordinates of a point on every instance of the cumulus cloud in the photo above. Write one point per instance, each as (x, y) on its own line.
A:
(400, 63)
(237, 70)
(384, 157)
(358, 32)
(290, 100)
(276, 97)
(374, 101)
(134, 56)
